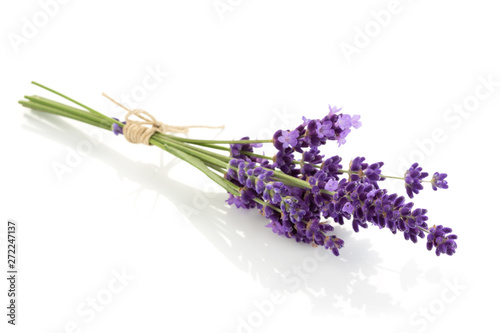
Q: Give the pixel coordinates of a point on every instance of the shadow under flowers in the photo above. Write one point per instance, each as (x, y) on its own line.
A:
(331, 283)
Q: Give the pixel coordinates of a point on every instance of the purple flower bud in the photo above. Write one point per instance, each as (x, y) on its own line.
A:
(440, 239)
(438, 181)
(413, 179)
(117, 129)
(236, 149)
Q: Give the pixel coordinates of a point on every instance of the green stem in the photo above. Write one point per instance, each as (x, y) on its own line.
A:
(286, 179)
(200, 155)
(69, 109)
(77, 103)
(216, 141)
(216, 168)
(383, 176)
(197, 163)
(217, 158)
(167, 140)
(423, 229)
(392, 177)
(74, 115)
(263, 203)
(208, 145)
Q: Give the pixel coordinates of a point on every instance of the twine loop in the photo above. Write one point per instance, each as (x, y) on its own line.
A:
(140, 131)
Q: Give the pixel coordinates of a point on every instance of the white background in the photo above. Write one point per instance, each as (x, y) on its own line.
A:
(192, 263)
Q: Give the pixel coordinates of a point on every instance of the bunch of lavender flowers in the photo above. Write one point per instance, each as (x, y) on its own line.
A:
(298, 190)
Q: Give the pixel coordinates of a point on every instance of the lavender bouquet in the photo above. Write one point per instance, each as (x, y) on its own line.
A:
(297, 189)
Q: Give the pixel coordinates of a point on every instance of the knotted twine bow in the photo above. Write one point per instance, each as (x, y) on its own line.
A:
(140, 131)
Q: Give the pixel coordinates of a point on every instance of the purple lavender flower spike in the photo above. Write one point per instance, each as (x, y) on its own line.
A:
(373, 173)
(313, 156)
(283, 160)
(440, 238)
(334, 243)
(236, 149)
(357, 166)
(438, 181)
(332, 166)
(413, 179)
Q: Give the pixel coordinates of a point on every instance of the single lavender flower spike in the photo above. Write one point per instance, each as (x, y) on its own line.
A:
(438, 181)
(413, 179)
(440, 238)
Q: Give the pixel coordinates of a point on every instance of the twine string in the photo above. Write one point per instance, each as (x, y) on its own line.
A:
(140, 131)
